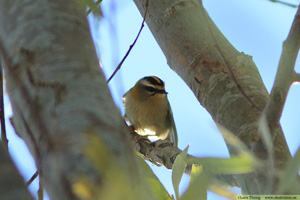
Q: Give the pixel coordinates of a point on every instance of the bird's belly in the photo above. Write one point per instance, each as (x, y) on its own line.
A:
(151, 120)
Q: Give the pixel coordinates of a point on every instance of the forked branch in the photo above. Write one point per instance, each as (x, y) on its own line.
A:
(285, 73)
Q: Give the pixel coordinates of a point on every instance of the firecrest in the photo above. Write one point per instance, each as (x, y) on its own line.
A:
(148, 110)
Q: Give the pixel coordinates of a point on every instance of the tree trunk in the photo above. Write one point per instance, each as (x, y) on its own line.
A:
(225, 81)
(11, 183)
(61, 103)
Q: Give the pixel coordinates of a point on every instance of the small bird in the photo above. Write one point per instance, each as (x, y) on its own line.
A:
(148, 110)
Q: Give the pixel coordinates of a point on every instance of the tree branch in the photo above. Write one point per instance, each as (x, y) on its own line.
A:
(32, 179)
(164, 153)
(50, 91)
(183, 30)
(284, 3)
(285, 74)
(11, 182)
(231, 73)
(296, 77)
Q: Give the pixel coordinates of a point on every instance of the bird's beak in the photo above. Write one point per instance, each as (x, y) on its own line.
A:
(162, 92)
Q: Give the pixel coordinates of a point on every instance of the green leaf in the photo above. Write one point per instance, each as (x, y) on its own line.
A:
(265, 133)
(291, 174)
(232, 140)
(196, 170)
(179, 167)
(243, 162)
(199, 183)
(222, 192)
(234, 165)
(157, 188)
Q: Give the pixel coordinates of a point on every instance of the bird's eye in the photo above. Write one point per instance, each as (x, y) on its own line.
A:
(150, 89)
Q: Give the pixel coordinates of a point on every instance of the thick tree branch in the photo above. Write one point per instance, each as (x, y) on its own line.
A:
(225, 81)
(285, 74)
(59, 95)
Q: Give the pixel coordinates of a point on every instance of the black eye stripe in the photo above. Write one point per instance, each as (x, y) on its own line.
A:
(150, 89)
(154, 91)
(154, 80)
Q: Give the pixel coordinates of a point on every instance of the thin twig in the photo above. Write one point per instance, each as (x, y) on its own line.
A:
(131, 46)
(285, 73)
(41, 189)
(32, 179)
(284, 3)
(91, 9)
(5, 59)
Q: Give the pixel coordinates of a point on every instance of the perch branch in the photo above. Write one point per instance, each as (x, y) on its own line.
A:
(164, 153)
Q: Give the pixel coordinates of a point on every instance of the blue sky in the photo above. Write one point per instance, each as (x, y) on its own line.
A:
(255, 27)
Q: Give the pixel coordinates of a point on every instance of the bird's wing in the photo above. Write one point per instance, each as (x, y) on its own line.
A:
(173, 132)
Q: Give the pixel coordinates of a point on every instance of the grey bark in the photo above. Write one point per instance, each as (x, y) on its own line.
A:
(59, 96)
(225, 81)
(11, 183)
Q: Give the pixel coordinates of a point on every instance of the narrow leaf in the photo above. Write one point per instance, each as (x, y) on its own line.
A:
(157, 188)
(196, 170)
(222, 192)
(234, 165)
(178, 170)
(266, 134)
(198, 184)
(232, 140)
